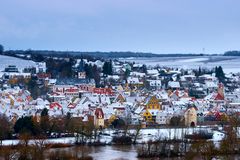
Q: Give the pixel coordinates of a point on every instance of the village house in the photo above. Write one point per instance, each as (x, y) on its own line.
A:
(138, 74)
(13, 72)
(163, 118)
(173, 85)
(156, 84)
(153, 73)
(152, 106)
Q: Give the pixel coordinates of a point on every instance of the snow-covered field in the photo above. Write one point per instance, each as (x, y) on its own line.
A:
(19, 63)
(66, 140)
(229, 64)
(144, 136)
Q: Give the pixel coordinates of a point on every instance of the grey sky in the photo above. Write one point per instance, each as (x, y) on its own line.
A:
(159, 26)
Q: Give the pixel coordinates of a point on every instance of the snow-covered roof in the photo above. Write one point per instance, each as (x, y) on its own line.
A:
(173, 84)
(138, 74)
(133, 80)
(153, 72)
(211, 84)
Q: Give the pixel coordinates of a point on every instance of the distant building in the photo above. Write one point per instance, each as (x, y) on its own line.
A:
(162, 118)
(105, 91)
(155, 83)
(173, 85)
(71, 87)
(41, 67)
(153, 105)
(11, 69)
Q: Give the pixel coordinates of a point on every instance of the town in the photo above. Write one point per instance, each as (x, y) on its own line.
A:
(119, 80)
(112, 90)
(87, 97)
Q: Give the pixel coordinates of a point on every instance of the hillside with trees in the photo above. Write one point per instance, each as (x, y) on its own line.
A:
(37, 55)
(232, 53)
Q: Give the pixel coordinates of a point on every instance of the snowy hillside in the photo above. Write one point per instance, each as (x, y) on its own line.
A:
(19, 63)
(229, 64)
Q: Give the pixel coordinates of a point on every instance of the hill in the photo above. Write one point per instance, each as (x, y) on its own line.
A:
(121, 54)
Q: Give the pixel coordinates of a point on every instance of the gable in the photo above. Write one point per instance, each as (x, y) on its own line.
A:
(120, 98)
(219, 97)
(153, 100)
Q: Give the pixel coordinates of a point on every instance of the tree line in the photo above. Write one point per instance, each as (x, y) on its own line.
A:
(97, 54)
(232, 53)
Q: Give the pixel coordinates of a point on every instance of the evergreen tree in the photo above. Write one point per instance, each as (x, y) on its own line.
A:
(44, 112)
(107, 68)
(144, 69)
(68, 121)
(110, 70)
(96, 76)
(5, 128)
(216, 71)
(89, 71)
(199, 71)
(1, 49)
(33, 87)
(126, 74)
(220, 74)
(25, 125)
(44, 121)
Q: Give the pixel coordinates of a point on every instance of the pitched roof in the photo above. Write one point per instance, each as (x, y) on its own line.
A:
(173, 84)
(219, 97)
(72, 81)
(54, 105)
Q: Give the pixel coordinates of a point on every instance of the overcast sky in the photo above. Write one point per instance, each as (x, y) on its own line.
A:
(159, 26)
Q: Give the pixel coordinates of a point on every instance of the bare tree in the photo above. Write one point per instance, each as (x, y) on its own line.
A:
(39, 147)
(203, 148)
(137, 133)
(7, 153)
(23, 147)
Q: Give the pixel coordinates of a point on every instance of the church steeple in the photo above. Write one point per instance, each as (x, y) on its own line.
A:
(81, 66)
(81, 70)
(221, 89)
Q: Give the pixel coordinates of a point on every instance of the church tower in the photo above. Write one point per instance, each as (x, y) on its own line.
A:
(81, 71)
(221, 89)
